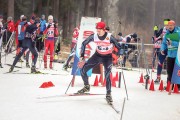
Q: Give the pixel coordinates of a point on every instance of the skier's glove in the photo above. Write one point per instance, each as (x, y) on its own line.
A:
(49, 26)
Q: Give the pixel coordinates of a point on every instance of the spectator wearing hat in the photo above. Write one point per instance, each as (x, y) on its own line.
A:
(171, 42)
(10, 31)
(104, 46)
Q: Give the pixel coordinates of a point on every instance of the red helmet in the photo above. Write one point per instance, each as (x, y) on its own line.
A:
(100, 25)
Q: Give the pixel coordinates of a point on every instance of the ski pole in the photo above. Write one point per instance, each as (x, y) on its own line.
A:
(71, 80)
(123, 108)
(125, 84)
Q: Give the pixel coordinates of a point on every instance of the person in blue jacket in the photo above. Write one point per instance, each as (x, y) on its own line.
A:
(171, 42)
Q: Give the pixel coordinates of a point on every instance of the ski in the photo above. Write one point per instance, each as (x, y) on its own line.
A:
(11, 72)
(14, 66)
(82, 94)
(71, 95)
(31, 73)
(112, 106)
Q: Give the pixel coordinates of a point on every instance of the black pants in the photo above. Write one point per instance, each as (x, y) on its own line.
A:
(156, 52)
(27, 43)
(92, 62)
(170, 67)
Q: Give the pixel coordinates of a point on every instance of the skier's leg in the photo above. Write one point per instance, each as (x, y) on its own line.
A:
(107, 62)
(93, 61)
(45, 53)
(154, 58)
(161, 59)
(51, 54)
(17, 58)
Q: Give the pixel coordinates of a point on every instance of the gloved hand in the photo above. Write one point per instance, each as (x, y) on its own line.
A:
(55, 26)
(49, 26)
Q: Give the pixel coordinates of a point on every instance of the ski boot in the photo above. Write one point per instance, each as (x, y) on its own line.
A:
(33, 70)
(1, 65)
(65, 67)
(11, 69)
(27, 65)
(20, 60)
(45, 65)
(109, 98)
(50, 65)
(157, 80)
(86, 88)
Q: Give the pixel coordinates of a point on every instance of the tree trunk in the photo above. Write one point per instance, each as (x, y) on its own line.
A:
(96, 8)
(11, 8)
(86, 8)
(153, 12)
(40, 7)
(47, 8)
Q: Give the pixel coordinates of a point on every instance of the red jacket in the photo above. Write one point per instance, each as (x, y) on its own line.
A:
(16, 25)
(10, 26)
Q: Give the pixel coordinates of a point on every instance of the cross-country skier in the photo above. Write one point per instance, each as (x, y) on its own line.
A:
(29, 42)
(131, 38)
(161, 58)
(171, 42)
(156, 48)
(73, 47)
(105, 42)
(50, 32)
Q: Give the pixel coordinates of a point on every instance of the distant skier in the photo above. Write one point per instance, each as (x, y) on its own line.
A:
(161, 58)
(73, 47)
(50, 32)
(103, 54)
(29, 42)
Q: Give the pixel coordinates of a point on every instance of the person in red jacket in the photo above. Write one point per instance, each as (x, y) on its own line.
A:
(10, 30)
(50, 32)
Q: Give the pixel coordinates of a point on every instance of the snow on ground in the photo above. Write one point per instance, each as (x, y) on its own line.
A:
(22, 99)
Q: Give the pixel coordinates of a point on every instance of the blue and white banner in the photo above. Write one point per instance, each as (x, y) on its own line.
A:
(176, 71)
(87, 27)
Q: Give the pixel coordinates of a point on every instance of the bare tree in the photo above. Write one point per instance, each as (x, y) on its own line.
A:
(11, 8)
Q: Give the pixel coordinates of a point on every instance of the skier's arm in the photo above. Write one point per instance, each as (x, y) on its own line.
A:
(84, 43)
(164, 44)
(114, 41)
(159, 33)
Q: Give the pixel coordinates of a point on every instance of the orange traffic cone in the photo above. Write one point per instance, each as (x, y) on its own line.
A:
(152, 86)
(176, 90)
(161, 87)
(50, 84)
(44, 85)
(141, 79)
(168, 86)
(96, 81)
